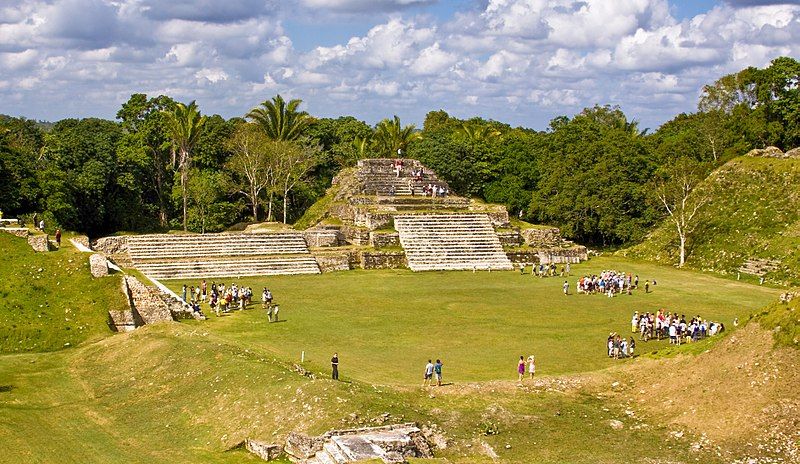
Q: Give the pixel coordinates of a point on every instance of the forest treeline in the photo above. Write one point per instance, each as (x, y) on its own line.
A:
(163, 165)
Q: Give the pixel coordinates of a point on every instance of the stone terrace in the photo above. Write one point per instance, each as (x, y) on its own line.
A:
(221, 255)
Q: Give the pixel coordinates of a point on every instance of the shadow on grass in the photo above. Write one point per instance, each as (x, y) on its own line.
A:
(6, 388)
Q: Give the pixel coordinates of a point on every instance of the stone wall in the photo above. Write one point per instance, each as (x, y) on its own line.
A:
(573, 255)
(355, 235)
(18, 231)
(509, 238)
(523, 256)
(384, 239)
(111, 245)
(147, 303)
(330, 262)
(98, 265)
(542, 238)
(383, 260)
(122, 320)
(302, 446)
(39, 242)
(499, 218)
(265, 451)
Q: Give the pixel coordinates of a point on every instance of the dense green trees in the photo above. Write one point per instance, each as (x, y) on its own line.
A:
(595, 175)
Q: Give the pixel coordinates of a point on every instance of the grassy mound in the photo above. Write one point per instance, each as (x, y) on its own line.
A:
(50, 300)
(754, 213)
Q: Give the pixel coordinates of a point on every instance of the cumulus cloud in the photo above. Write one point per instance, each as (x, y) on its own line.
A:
(364, 6)
(521, 61)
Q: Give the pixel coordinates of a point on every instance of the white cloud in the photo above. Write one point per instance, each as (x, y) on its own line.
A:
(521, 61)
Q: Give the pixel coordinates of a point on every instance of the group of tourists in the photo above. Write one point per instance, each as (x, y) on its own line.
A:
(663, 324)
(433, 190)
(546, 270)
(619, 347)
(224, 299)
(611, 283)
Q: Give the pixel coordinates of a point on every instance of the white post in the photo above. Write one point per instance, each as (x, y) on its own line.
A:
(302, 356)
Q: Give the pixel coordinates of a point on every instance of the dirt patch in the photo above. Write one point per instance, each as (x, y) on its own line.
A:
(742, 396)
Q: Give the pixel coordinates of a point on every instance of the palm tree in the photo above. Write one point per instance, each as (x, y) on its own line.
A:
(185, 125)
(478, 132)
(281, 120)
(391, 136)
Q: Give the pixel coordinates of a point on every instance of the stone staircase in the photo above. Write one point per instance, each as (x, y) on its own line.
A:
(164, 256)
(451, 242)
(377, 177)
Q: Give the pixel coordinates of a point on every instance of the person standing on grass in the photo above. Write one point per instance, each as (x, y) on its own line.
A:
(521, 368)
(647, 286)
(184, 293)
(437, 368)
(204, 290)
(58, 237)
(566, 288)
(428, 374)
(335, 367)
(567, 269)
(531, 365)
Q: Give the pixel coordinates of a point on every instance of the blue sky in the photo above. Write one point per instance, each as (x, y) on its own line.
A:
(519, 61)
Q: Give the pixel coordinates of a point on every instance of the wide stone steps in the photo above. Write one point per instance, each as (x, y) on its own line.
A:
(164, 256)
(450, 242)
(231, 267)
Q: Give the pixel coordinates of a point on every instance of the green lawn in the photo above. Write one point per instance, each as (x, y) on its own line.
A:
(386, 324)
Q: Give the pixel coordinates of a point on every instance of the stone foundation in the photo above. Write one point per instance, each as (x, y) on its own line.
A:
(330, 262)
(39, 243)
(509, 238)
(572, 255)
(111, 245)
(98, 265)
(383, 260)
(384, 239)
(146, 302)
(523, 256)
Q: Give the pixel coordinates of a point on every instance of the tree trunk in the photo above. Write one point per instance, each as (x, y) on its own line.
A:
(285, 205)
(255, 205)
(184, 176)
(682, 249)
(269, 212)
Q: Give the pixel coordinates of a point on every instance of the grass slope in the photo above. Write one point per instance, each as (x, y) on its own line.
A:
(175, 393)
(50, 299)
(754, 213)
(386, 324)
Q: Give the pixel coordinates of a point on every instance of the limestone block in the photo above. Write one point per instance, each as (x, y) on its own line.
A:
(39, 242)
(98, 265)
(510, 238)
(793, 153)
(265, 451)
